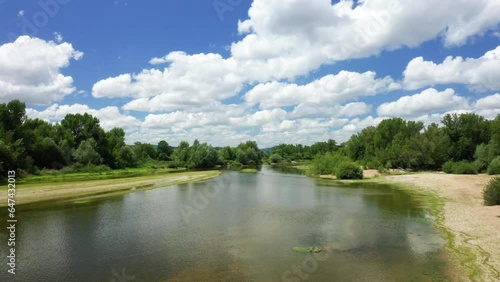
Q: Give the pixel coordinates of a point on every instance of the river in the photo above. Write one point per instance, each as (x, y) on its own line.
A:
(238, 227)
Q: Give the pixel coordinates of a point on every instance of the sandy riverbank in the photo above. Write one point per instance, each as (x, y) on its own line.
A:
(85, 190)
(476, 228)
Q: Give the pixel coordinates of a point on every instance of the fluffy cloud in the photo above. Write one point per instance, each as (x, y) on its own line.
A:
(481, 73)
(109, 117)
(489, 106)
(297, 37)
(30, 70)
(428, 101)
(328, 90)
(288, 38)
(188, 81)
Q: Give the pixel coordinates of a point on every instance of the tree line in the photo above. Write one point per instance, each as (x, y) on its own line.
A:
(31, 145)
(465, 143)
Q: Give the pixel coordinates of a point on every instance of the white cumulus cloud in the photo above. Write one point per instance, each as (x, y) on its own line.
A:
(428, 101)
(481, 73)
(30, 70)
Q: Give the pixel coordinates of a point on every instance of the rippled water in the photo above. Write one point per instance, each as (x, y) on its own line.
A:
(238, 227)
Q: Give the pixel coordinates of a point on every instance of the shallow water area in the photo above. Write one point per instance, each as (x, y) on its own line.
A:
(238, 227)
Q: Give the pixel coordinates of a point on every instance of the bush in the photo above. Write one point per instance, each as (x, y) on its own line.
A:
(462, 167)
(275, 159)
(327, 164)
(234, 165)
(78, 168)
(491, 194)
(349, 170)
(494, 167)
(448, 167)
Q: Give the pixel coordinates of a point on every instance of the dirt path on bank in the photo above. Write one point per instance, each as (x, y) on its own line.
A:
(475, 226)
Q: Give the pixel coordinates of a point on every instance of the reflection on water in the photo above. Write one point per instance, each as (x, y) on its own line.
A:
(240, 227)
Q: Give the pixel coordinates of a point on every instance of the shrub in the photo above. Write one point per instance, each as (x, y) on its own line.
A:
(234, 165)
(448, 167)
(491, 194)
(462, 167)
(349, 170)
(275, 159)
(327, 164)
(494, 167)
(77, 168)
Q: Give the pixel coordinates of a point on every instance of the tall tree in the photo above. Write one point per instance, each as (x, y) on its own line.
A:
(466, 132)
(164, 150)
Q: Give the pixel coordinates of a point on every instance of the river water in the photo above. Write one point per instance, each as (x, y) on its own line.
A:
(238, 227)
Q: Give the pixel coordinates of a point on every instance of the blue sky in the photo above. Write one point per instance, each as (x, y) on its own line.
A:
(226, 71)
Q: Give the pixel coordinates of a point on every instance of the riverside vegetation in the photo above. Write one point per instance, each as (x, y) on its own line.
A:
(78, 146)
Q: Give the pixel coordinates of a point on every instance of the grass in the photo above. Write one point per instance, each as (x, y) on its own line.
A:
(249, 170)
(87, 176)
(83, 187)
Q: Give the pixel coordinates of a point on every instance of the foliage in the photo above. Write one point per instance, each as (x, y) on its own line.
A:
(125, 157)
(494, 167)
(275, 159)
(202, 156)
(86, 153)
(491, 194)
(80, 168)
(234, 165)
(249, 154)
(466, 132)
(396, 143)
(298, 152)
(144, 151)
(349, 170)
(164, 150)
(30, 145)
(462, 167)
(327, 163)
(181, 154)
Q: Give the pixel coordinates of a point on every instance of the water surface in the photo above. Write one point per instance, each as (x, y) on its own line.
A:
(238, 227)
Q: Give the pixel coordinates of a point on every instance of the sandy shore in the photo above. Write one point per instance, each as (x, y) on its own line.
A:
(86, 190)
(475, 226)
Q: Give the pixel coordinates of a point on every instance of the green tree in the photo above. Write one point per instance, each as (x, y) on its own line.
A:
(144, 151)
(126, 157)
(48, 154)
(226, 155)
(466, 132)
(115, 141)
(164, 150)
(249, 154)
(86, 153)
(181, 154)
(203, 156)
(12, 116)
(275, 159)
(83, 127)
